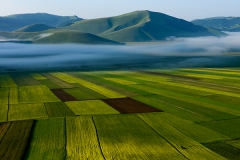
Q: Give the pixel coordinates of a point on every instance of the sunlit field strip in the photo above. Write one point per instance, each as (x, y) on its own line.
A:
(35, 94)
(183, 90)
(123, 89)
(173, 109)
(120, 81)
(234, 70)
(144, 82)
(188, 147)
(228, 108)
(57, 81)
(205, 76)
(47, 140)
(38, 76)
(179, 89)
(191, 129)
(27, 111)
(219, 71)
(195, 108)
(13, 95)
(82, 139)
(147, 78)
(104, 91)
(128, 137)
(191, 91)
(6, 81)
(135, 77)
(90, 107)
(208, 74)
(221, 87)
(225, 81)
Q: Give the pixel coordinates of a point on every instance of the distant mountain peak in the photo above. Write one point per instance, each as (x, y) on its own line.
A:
(16, 21)
(141, 25)
(38, 27)
(231, 24)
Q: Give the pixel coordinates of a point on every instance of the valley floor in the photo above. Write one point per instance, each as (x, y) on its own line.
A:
(151, 114)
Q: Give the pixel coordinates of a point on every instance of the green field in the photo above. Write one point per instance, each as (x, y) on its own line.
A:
(200, 115)
(34, 94)
(90, 107)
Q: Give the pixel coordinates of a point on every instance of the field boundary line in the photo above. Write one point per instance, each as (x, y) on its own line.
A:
(177, 107)
(8, 102)
(46, 109)
(65, 129)
(162, 137)
(217, 120)
(212, 84)
(29, 140)
(99, 143)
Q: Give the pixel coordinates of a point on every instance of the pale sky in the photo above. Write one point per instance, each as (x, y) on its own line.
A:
(89, 9)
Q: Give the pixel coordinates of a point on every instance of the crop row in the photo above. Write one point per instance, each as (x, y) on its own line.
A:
(113, 137)
(104, 91)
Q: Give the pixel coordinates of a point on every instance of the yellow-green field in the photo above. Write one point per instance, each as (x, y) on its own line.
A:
(117, 115)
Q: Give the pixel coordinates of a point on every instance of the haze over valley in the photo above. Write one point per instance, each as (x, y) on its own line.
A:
(134, 40)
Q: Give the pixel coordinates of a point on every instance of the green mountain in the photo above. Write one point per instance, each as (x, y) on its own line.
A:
(55, 36)
(34, 28)
(231, 24)
(14, 22)
(73, 37)
(142, 26)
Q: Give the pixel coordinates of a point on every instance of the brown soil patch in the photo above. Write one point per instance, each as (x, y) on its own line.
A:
(170, 75)
(128, 105)
(63, 96)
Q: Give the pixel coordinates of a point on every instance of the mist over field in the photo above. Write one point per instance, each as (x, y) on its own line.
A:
(179, 52)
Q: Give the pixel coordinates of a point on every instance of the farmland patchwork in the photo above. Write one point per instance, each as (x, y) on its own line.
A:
(111, 115)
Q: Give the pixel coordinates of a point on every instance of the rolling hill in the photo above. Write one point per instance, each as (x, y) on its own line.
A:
(141, 26)
(231, 24)
(34, 28)
(73, 37)
(14, 22)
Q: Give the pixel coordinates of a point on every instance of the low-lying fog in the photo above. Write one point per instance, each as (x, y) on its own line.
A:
(180, 52)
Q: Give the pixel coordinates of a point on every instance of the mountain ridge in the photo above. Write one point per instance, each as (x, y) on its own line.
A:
(141, 26)
(231, 24)
(34, 28)
(13, 22)
(137, 26)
